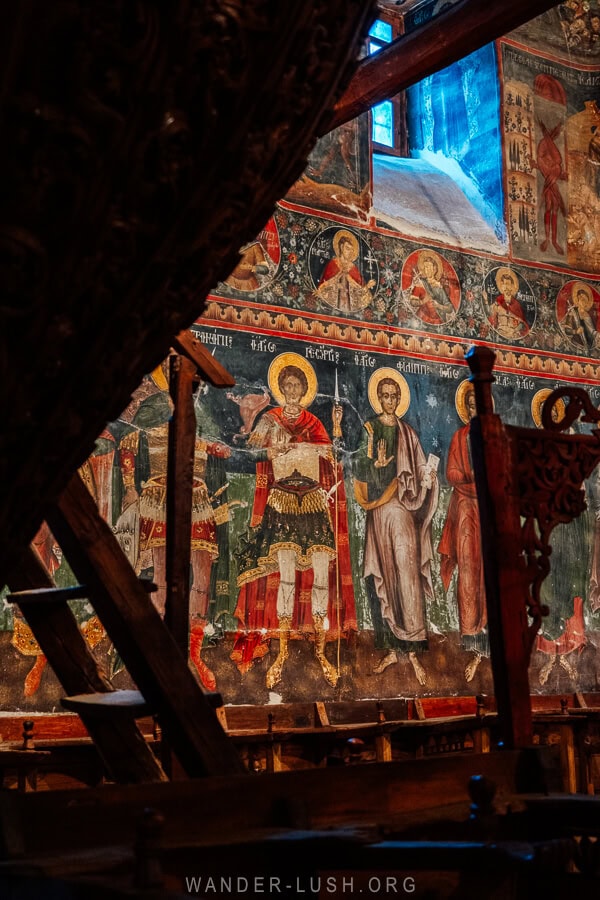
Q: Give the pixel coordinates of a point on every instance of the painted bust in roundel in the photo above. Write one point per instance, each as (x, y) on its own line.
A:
(294, 570)
(258, 261)
(504, 310)
(430, 287)
(341, 285)
(577, 313)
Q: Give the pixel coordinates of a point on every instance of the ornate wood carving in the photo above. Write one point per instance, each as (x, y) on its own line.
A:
(143, 143)
(528, 481)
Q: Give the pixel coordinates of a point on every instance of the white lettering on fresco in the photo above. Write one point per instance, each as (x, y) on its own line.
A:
(262, 345)
(324, 353)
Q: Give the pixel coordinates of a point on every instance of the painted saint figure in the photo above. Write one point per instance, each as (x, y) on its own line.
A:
(294, 565)
(506, 313)
(341, 284)
(563, 591)
(258, 261)
(550, 164)
(580, 321)
(460, 544)
(143, 458)
(427, 293)
(398, 488)
(253, 264)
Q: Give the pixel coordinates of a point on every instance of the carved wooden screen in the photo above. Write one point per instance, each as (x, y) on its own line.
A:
(528, 481)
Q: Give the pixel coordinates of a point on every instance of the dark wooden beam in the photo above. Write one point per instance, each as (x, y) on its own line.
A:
(141, 638)
(180, 476)
(126, 755)
(443, 40)
(208, 367)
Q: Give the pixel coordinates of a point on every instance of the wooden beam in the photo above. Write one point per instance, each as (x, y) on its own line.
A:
(208, 367)
(180, 476)
(462, 29)
(121, 745)
(140, 636)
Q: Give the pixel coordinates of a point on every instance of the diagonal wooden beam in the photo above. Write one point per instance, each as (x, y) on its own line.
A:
(121, 745)
(462, 29)
(208, 367)
(147, 648)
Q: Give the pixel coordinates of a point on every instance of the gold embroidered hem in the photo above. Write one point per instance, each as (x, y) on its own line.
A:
(267, 565)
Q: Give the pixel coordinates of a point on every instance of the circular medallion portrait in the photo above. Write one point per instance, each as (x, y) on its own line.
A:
(578, 314)
(343, 270)
(258, 261)
(508, 303)
(430, 288)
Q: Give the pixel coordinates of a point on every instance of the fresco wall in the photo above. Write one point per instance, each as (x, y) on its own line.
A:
(313, 575)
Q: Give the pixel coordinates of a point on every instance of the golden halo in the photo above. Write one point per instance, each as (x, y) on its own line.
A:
(538, 402)
(582, 286)
(292, 359)
(402, 383)
(435, 259)
(460, 400)
(347, 235)
(505, 271)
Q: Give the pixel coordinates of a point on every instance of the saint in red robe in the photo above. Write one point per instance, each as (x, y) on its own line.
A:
(259, 577)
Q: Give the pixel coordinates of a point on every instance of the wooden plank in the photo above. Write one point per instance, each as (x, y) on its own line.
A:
(47, 595)
(383, 748)
(121, 745)
(140, 636)
(180, 476)
(242, 806)
(129, 704)
(567, 760)
(209, 368)
(448, 37)
(321, 718)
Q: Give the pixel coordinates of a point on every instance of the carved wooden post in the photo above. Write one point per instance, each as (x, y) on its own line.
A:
(502, 559)
(528, 480)
(180, 475)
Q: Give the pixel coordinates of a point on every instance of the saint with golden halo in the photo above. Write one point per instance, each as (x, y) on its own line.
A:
(460, 543)
(506, 314)
(299, 362)
(397, 486)
(297, 547)
(580, 322)
(563, 629)
(403, 390)
(341, 285)
(429, 293)
(464, 401)
(558, 409)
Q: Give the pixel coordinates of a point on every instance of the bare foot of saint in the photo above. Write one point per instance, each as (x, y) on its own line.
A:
(566, 665)
(546, 669)
(388, 660)
(472, 667)
(419, 670)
